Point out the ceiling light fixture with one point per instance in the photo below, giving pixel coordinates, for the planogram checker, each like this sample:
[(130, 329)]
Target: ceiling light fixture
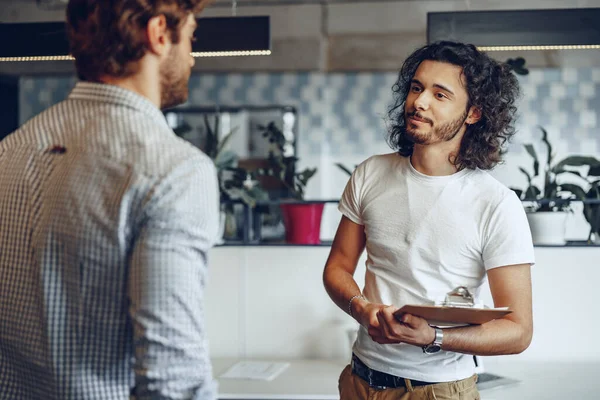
[(217, 37), (507, 30), (540, 48)]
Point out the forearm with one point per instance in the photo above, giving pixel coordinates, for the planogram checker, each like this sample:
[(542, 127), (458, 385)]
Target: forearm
[(169, 334), (341, 287), (161, 376), (498, 337)]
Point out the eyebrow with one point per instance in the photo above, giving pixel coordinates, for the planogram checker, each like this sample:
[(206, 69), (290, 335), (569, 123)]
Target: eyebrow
[(437, 85)]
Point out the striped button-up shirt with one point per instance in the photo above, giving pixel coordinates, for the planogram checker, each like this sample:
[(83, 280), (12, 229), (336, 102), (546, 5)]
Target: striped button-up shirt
[(106, 218)]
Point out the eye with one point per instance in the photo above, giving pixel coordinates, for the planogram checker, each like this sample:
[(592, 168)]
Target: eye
[(441, 95), (415, 89)]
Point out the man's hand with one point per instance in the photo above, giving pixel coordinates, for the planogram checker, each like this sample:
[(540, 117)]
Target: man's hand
[(366, 312), (408, 329)]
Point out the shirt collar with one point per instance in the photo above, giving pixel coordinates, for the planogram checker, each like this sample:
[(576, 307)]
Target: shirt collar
[(105, 93)]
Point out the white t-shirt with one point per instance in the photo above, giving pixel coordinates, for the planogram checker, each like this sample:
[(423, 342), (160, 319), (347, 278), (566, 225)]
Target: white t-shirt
[(426, 235)]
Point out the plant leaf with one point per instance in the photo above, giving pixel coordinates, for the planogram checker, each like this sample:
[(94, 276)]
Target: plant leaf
[(594, 171), (536, 163), (531, 150), (225, 159), (526, 174), (579, 161), (532, 192), (210, 146), (550, 189), (226, 140), (548, 145), (343, 168)]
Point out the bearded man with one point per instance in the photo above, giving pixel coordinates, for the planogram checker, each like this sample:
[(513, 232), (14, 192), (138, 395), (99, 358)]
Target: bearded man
[(107, 218)]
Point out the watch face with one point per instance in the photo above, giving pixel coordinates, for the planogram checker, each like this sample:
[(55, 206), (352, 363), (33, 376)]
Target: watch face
[(432, 348)]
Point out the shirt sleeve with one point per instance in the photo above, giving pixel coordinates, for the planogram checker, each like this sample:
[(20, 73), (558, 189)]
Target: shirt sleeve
[(507, 237), (167, 276), (350, 204)]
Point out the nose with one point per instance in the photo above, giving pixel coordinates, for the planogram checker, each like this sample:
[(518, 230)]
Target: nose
[(422, 101)]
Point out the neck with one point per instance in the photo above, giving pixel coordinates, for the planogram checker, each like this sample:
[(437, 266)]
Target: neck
[(145, 82), (435, 159)]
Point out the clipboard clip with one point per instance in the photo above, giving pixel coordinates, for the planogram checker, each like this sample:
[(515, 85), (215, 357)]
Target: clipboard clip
[(459, 297)]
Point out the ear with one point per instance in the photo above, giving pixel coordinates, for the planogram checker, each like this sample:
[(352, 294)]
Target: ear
[(474, 115), (159, 40)]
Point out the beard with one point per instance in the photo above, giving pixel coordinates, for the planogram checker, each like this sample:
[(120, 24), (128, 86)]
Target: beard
[(173, 82), (442, 133)]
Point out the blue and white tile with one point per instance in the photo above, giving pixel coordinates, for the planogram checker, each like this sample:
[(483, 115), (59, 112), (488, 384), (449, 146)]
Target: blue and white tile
[(587, 90), (587, 119), (570, 75)]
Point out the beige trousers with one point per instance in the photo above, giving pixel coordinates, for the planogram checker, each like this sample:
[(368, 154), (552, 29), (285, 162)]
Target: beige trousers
[(354, 388)]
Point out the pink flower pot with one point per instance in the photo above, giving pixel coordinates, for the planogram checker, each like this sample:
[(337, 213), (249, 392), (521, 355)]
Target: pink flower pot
[(302, 222)]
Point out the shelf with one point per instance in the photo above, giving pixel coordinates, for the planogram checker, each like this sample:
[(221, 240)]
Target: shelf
[(252, 225), (570, 243), (327, 243)]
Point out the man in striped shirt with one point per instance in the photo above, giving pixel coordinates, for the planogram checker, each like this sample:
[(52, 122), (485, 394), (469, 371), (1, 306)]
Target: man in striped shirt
[(106, 218)]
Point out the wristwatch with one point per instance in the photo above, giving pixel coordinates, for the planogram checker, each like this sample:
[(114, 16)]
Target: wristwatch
[(437, 343)]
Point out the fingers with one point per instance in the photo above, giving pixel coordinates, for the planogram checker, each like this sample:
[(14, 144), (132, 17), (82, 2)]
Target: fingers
[(386, 328), (386, 316), (408, 320), (390, 329)]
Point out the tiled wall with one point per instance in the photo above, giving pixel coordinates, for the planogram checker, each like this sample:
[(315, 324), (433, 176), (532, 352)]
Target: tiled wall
[(342, 115)]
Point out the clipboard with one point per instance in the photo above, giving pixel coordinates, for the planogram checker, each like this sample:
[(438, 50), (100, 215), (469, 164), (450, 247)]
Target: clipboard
[(457, 310)]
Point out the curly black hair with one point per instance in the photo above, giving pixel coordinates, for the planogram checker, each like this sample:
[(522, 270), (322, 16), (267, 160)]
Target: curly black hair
[(491, 86)]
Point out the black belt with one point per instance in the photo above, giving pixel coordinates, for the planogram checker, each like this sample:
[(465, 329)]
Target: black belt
[(381, 380)]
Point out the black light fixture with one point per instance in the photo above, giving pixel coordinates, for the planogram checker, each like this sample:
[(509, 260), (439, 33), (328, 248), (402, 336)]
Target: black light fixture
[(232, 36), (217, 37), (506, 30)]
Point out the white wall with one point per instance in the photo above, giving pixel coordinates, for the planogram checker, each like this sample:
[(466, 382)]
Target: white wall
[(269, 302)]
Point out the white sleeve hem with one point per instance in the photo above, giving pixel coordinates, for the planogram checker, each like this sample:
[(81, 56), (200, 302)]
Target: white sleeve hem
[(502, 261), (349, 214)]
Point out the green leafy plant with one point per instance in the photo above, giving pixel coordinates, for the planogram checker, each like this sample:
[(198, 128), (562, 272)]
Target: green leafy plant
[(344, 168), (235, 183), (555, 196), (284, 167)]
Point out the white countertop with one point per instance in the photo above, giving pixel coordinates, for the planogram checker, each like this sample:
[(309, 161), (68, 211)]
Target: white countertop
[(317, 380), (302, 380), (546, 380)]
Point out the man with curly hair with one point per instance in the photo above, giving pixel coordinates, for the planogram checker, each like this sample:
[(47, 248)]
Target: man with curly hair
[(432, 219), (107, 219)]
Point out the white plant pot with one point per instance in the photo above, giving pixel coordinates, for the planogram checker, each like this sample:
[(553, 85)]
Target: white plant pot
[(548, 227)]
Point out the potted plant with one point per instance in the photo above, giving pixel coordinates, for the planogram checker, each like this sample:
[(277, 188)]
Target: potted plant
[(235, 183), (302, 219), (551, 201)]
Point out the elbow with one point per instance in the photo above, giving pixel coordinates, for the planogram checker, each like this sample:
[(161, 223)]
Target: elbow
[(327, 276), (523, 341)]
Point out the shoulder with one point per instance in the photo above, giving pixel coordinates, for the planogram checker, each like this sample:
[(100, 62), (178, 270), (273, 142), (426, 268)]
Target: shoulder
[(486, 190), (383, 163), (169, 153)]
